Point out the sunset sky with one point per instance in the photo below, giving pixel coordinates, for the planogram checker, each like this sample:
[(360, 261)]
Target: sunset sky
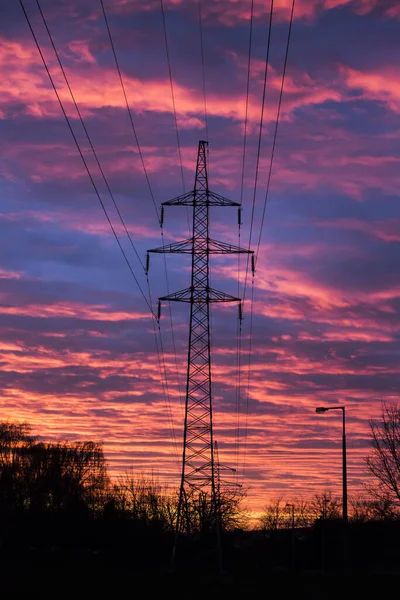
[(77, 345)]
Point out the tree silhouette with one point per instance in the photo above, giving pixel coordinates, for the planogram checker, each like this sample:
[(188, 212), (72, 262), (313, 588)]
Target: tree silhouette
[(384, 461), (274, 515), (141, 498), (203, 514), (325, 506), (49, 477)]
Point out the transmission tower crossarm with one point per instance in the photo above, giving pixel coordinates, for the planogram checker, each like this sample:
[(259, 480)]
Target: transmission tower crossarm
[(218, 200), (217, 247), (210, 246), (183, 247), (200, 295), (182, 200), (191, 199)]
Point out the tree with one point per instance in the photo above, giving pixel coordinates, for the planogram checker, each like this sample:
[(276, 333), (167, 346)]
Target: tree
[(144, 500), (65, 476), (325, 506), (384, 460), (362, 509), (302, 513), (15, 441), (232, 513), (279, 514), (201, 513), (49, 477), (274, 516)]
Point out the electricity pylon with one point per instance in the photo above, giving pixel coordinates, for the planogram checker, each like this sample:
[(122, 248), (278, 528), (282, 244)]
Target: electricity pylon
[(198, 479)]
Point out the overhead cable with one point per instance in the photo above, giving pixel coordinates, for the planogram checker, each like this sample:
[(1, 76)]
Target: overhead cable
[(128, 108), (276, 130), (83, 158), (87, 134), (162, 357), (172, 93), (259, 142), (239, 324)]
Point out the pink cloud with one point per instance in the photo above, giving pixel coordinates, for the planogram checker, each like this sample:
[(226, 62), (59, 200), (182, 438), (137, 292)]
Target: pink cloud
[(332, 158), (80, 51), (231, 12), (394, 11), (297, 295), (382, 86), (26, 82), (388, 231), (71, 309), (4, 274), (76, 222)]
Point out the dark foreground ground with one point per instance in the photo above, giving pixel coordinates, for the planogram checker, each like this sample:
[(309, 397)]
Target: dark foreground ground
[(85, 579), (331, 563)]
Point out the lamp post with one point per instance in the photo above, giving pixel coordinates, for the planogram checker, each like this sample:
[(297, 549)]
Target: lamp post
[(323, 409), (325, 501)]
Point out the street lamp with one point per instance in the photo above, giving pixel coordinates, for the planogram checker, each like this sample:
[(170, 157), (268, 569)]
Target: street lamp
[(325, 502), (323, 409)]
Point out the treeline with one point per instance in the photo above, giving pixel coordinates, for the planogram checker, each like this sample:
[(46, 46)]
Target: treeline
[(62, 478), (300, 513), (60, 510), (70, 480), (60, 507), (39, 477)]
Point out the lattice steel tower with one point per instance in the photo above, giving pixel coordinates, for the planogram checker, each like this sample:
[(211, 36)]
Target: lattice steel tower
[(199, 475)]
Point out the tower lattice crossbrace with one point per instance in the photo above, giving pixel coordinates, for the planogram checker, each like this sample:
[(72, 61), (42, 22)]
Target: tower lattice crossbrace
[(198, 461)]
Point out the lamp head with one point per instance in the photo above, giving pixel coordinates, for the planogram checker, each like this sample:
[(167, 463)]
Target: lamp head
[(321, 409)]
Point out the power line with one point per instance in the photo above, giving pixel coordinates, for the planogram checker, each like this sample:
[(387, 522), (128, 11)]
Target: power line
[(139, 149), (247, 100), (163, 375), (276, 129), (259, 141), (203, 70), (239, 324), (238, 390), (172, 92), (254, 199), (184, 189), (87, 133), (168, 398), (143, 163), (171, 322), (174, 106), (129, 110), (83, 158), (264, 208), (161, 358), (248, 374)]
